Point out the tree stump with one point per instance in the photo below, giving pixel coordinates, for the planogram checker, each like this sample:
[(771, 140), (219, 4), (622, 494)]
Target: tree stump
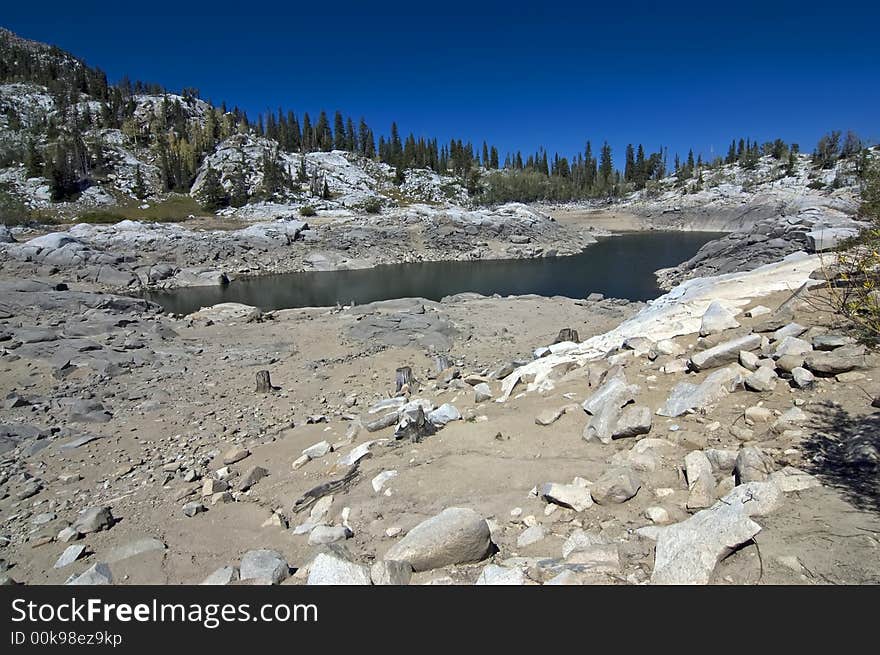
[(567, 334), (415, 426), (404, 377), (441, 363), (264, 383)]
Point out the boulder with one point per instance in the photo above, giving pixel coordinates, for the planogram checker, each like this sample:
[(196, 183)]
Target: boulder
[(802, 378), (331, 569), (501, 575), (222, 576), (752, 465), (444, 414), (764, 379), (454, 536), (724, 353), (567, 495), (688, 552), (263, 565), (839, 360), (93, 519), (388, 572), (482, 392), (700, 479), (615, 486), (717, 318), (686, 396), (98, 574)]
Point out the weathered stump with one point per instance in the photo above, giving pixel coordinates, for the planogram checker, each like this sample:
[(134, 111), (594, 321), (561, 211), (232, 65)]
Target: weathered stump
[(441, 363), (404, 378), (567, 334), (264, 383), (415, 426)]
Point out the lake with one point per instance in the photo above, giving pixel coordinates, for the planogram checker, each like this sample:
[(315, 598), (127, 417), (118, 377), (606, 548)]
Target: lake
[(620, 267)]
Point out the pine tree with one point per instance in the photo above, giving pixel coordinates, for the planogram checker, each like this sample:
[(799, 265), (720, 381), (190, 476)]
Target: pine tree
[(339, 135), (138, 188), (213, 195), (629, 165), (32, 160), (606, 166)]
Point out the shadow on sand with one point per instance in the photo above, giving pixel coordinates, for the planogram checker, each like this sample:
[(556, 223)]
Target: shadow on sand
[(844, 452)]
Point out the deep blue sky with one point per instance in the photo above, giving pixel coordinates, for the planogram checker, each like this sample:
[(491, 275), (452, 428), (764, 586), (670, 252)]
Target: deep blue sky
[(520, 75)]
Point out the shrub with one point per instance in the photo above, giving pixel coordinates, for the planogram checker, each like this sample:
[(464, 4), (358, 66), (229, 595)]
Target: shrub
[(854, 288), (372, 205), (307, 210), (12, 210)]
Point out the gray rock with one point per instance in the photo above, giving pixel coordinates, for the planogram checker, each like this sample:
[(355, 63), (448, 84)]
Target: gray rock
[(831, 341), (98, 574), (264, 565), (318, 450), (496, 575), (455, 536), (548, 417), (67, 535), (803, 379), (254, 475), (70, 555), (330, 569), (388, 572), (701, 480), (752, 465), (827, 238), (839, 360), (764, 379), (444, 414), (530, 536), (134, 549), (193, 508), (567, 495), (724, 353), (748, 360), (235, 454), (790, 330), (327, 534), (605, 407), (634, 420), (596, 558), (222, 576), (717, 318), (482, 392), (688, 552), (93, 519), (792, 346), (615, 486), (686, 396)]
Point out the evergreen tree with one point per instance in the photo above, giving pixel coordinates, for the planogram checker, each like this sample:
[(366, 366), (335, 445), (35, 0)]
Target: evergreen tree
[(32, 160), (212, 194), (340, 138), (606, 166), (138, 188)]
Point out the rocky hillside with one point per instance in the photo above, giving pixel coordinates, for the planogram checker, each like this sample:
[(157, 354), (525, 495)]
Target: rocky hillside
[(124, 146)]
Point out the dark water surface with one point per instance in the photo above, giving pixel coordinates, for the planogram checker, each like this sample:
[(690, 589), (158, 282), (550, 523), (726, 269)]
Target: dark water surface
[(619, 267)]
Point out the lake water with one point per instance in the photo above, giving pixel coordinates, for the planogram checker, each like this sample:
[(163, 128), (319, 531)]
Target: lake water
[(619, 267)]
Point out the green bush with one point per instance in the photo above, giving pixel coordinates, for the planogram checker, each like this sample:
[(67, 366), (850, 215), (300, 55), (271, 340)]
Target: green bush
[(372, 205), (307, 210), (12, 210)]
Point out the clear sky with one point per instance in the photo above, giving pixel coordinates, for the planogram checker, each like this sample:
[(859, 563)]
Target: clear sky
[(520, 75)]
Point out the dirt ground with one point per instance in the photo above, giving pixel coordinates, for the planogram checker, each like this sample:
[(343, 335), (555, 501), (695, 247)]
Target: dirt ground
[(188, 411)]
